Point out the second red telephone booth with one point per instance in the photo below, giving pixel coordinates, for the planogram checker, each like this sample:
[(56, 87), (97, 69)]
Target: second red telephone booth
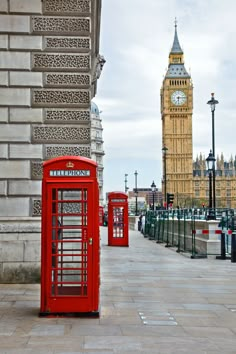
[(118, 219)]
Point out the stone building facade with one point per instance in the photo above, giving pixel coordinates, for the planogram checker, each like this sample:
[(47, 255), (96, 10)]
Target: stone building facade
[(49, 66), (225, 182)]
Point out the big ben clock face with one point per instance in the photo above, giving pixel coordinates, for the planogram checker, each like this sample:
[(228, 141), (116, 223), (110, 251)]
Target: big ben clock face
[(178, 98)]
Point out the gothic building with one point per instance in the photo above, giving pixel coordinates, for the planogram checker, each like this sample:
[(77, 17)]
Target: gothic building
[(225, 181), (188, 180)]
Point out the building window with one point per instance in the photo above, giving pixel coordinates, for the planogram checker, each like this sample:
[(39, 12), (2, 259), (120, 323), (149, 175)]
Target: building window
[(98, 159)]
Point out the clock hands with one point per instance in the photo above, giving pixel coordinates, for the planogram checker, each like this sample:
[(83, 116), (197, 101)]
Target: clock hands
[(178, 98)]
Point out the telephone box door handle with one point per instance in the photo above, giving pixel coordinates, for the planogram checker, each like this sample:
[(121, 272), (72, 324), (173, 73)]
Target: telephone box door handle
[(90, 240)]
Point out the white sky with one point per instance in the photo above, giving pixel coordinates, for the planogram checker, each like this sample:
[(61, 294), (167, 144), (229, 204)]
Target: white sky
[(136, 38)]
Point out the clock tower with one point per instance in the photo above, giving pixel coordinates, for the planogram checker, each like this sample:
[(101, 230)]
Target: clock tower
[(176, 114)]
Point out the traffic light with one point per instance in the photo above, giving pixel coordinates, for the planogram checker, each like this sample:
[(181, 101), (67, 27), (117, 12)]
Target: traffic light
[(170, 198)]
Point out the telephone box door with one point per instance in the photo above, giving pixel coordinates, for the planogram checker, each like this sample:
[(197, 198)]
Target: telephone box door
[(70, 262)]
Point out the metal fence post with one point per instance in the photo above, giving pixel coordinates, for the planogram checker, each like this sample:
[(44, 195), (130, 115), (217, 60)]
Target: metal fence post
[(167, 230), (172, 229), (193, 236), (178, 216)]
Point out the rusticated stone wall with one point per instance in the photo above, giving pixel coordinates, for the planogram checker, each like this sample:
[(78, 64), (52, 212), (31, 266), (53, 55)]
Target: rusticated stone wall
[(49, 65)]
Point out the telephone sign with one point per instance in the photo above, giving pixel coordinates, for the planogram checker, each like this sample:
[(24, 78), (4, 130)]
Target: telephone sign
[(69, 173)]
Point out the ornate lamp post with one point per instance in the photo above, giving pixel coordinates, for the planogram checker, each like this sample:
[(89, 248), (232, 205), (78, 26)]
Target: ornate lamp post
[(153, 187), (212, 104), (211, 166), (136, 192), (164, 151)]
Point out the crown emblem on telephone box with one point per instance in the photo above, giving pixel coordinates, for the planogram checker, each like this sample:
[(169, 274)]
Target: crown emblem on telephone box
[(70, 164)]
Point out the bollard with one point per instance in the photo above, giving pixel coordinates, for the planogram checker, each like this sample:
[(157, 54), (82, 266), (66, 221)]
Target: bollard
[(222, 247), (223, 250), (233, 248)]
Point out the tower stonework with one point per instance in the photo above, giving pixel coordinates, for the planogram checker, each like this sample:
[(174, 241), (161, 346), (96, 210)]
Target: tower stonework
[(176, 113), (49, 66)]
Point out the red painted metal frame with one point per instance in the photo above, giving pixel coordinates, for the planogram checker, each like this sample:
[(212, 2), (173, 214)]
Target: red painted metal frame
[(79, 296), (118, 223)]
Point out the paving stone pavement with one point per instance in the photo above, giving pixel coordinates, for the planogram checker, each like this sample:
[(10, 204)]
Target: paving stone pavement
[(153, 300)]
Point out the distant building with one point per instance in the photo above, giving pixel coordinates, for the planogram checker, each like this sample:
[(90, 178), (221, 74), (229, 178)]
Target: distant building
[(225, 181), (144, 199), (97, 151)]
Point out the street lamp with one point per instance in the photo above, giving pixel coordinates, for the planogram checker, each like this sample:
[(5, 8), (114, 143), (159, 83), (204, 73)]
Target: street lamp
[(211, 166), (212, 104), (136, 193), (164, 151), (126, 187), (153, 187)]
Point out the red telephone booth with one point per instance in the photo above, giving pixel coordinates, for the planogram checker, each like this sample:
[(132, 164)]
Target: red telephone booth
[(101, 216), (118, 219), (70, 237)]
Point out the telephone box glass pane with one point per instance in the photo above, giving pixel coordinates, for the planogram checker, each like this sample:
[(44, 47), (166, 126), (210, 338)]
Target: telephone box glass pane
[(118, 222), (69, 267)]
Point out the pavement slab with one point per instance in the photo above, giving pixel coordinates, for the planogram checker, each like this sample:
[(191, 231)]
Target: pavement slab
[(153, 300)]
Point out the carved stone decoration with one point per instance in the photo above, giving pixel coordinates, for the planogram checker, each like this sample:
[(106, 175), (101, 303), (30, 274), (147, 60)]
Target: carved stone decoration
[(72, 62), (70, 80), (36, 170), (61, 25), (67, 150), (66, 6), (71, 43), (97, 67), (36, 207), (60, 98), (66, 115), (56, 134)]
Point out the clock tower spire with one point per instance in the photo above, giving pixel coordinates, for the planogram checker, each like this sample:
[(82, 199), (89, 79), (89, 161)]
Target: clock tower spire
[(176, 46), (176, 113)]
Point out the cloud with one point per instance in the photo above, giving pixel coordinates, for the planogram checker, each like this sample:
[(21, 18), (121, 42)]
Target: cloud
[(136, 38)]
